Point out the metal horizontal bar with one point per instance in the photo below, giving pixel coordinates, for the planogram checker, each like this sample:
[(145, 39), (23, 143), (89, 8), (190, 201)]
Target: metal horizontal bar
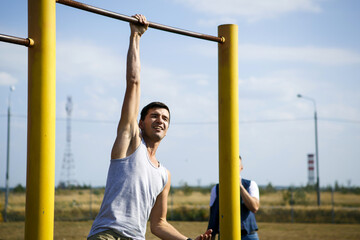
[(122, 17), (16, 40)]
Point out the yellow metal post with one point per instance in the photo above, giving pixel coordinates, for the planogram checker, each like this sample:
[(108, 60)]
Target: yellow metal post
[(229, 134), (40, 179)]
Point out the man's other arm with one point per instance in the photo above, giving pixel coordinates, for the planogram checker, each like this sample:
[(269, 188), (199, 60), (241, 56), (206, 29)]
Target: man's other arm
[(158, 223)]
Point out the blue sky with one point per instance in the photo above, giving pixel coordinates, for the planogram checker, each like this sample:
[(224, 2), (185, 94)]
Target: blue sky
[(311, 47)]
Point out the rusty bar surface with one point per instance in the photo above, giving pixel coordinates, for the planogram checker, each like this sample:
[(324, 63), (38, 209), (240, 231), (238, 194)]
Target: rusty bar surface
[(122, 17), (16, 40)]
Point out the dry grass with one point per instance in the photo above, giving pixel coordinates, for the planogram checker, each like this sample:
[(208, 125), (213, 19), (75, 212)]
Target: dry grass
[(271, 199), (282, 231), (76, 204), (194, 199), (82, 198), (340, 199), (16, 201)]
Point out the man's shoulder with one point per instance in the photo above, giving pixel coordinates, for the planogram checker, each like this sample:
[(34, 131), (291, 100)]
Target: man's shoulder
[(215, 188), (245, 182), (125, 144)]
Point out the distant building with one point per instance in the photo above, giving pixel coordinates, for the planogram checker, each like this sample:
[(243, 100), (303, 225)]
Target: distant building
[(311, 168)]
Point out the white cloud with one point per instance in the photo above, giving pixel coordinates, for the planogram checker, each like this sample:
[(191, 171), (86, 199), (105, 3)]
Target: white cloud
[(282, 85), (252, 9), (162, 82), (325, 56), (7, 79), (78, 59), (274, 96), (102, 102), (178, 91), (305, 54), (198, 79), (13, 64), (213, 22)]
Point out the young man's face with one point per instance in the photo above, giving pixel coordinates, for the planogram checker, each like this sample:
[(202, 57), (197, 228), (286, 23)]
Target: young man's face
[(155, 124)]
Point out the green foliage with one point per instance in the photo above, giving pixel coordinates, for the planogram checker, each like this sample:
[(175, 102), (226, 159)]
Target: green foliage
[(19, 189), (63, 185), (268, 189), (185, 188), (346, 210), (310, 188), (349, 189), (295, 196), (287, 197), (204, 190), (98, 191), (13, 216), (300, 197), (188, 214)]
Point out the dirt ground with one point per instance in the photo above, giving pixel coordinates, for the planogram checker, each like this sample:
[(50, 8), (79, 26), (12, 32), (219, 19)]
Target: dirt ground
[(267, 231)]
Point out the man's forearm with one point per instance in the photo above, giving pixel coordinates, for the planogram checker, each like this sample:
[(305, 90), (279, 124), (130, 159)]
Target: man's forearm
[(133, 57), (250, 202), (165, 230), (133, 60)]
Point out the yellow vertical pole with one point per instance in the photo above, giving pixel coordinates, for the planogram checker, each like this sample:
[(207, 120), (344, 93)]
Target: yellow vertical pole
[(40, 179), (229, 134)]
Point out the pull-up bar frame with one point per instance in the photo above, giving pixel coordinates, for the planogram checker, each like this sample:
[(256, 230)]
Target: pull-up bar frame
[(126, 18), (40, 179), (28, 42)]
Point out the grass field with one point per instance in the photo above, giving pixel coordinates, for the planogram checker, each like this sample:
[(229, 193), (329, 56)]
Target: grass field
[(267, 231), (83, 204), (86, 199), (194, 197)]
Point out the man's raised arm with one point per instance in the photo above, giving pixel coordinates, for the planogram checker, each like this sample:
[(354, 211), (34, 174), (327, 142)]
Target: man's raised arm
[(127, 139)]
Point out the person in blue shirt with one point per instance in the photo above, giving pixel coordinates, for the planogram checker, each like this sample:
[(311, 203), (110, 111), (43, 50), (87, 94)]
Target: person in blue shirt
[(250, 203)]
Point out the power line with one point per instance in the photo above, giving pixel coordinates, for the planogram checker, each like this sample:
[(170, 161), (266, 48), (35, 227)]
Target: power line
[(340, 120)]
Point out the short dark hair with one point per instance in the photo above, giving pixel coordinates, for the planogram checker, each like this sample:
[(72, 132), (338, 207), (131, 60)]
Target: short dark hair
[(151, 105)]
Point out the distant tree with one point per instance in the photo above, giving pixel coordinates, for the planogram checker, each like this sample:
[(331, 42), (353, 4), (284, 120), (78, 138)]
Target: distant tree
[(187, 190), (300, 197), (337, 186), (268, 189), (19, 189), (295, 196), (310, 188), (61, 185)]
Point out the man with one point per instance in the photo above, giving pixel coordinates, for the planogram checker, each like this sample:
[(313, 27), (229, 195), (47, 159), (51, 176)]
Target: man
[(137, 185), (250, 203)]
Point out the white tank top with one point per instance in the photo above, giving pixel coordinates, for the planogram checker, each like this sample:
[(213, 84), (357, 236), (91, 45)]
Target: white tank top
[(132, 185)]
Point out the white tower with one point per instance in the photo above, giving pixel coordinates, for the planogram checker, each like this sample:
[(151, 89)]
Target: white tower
[(68, 167), (311, 177)]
